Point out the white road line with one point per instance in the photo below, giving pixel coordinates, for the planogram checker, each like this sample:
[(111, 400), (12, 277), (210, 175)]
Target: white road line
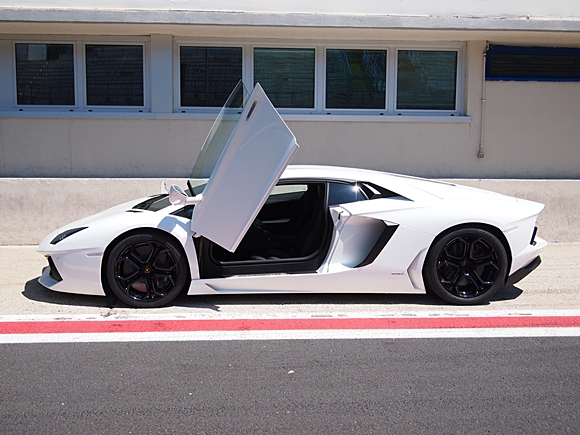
[(195, 315), (347, 334)]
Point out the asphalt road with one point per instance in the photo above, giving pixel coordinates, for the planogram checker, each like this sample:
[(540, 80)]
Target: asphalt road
[(476, 386), (398, 386)]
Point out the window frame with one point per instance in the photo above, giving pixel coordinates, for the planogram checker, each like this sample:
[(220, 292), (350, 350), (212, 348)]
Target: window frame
[(459, 81), (316, 84), (349, 111), (177, 44), (15, 75), (92, 108), (79, 60), (318, 112)]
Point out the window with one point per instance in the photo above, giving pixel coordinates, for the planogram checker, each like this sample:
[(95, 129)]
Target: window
[(45, 74), (287, 75), (355, 79), (532, 63), (426, 80), (208, 74), (370, 79), (341, 193), (79, 75), (114, 75)]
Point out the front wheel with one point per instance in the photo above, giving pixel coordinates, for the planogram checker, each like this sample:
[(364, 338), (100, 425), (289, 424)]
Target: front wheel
[(466, 267), (147, 270)]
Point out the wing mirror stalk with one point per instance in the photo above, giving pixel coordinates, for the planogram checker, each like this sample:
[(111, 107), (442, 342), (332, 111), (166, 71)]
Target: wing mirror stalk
[(177, 196)]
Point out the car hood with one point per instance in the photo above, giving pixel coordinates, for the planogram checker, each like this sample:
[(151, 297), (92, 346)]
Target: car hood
[(101, 228)]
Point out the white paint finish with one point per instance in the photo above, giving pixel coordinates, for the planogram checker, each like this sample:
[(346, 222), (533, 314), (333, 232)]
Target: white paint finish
[(236, 192), (339, 334), (256, 154), (285, 312), (358, 235)]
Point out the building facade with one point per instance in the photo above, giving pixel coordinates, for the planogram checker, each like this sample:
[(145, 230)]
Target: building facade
[(477, 89)]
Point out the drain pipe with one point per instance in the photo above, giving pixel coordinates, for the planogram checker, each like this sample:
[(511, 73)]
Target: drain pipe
[(481, 154)]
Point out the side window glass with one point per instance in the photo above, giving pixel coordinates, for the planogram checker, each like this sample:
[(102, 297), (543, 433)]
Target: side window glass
[(285, 192), (341, 193)]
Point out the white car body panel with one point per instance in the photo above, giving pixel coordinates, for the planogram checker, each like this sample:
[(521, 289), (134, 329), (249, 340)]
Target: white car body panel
[(397, 269), (375, 245), (80, 257), (259, 150)]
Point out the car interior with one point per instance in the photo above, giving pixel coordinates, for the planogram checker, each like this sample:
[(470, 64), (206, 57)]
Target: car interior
[(291, 234)]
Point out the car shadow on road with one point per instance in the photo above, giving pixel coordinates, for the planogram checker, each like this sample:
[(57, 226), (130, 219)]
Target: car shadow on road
[(36, 292), (507, 294)]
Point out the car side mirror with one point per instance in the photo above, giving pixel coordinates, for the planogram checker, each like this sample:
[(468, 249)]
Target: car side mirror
[(177, 196)]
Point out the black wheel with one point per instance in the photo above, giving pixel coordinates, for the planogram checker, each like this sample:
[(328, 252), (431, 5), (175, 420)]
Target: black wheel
[(147, 270), (466, 267)]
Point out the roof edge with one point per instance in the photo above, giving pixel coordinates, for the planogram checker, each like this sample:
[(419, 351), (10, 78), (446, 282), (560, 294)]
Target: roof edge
[(224, 18)]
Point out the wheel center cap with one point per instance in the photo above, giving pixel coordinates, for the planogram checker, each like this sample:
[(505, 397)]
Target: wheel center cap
[(147, 269)]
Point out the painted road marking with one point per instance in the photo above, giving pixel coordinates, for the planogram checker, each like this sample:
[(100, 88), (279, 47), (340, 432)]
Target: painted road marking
[(19, 331)]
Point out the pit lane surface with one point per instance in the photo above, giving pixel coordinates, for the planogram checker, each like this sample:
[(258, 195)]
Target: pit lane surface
[(476, 386), (232, 382)]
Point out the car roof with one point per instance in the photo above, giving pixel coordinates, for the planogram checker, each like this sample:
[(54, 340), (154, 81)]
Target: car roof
[(413, 188)]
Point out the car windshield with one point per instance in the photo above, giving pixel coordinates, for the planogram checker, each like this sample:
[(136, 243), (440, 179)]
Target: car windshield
[(219, 135)]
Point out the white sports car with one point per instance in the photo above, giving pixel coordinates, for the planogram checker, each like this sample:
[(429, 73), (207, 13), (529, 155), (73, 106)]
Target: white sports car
[(249, 223)]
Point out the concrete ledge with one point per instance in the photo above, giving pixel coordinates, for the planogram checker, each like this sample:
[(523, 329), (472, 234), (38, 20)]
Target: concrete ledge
[(31, 208)]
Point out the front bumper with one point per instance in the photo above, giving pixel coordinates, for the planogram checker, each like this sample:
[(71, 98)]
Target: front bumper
[(521, 273)]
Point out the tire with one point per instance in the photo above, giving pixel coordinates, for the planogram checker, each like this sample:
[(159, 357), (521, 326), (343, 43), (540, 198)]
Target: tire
[(147, 270), (466, 267)]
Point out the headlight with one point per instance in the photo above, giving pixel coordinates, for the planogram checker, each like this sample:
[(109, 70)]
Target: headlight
[(66, 234)]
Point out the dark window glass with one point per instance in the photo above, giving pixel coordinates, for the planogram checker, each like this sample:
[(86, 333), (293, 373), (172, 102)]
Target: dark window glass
[(355, 79), (114, 75), (533, 63), (287, 75), (45, 74), (426, 80), (340, 193), (208, 74)]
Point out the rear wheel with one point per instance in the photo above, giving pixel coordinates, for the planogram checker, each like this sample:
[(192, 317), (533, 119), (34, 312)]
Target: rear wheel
[(466, 267), (147, 270)]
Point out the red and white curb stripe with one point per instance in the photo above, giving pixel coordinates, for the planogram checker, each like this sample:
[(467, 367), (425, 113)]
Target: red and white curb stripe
[(419, 325)]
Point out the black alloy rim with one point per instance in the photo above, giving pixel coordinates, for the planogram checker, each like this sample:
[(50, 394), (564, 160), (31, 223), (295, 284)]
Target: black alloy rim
[(146, 271), (468, 266)]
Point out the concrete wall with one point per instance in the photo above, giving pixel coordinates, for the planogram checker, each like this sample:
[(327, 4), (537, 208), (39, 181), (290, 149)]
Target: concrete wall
[(31, 208), (531, 130)]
